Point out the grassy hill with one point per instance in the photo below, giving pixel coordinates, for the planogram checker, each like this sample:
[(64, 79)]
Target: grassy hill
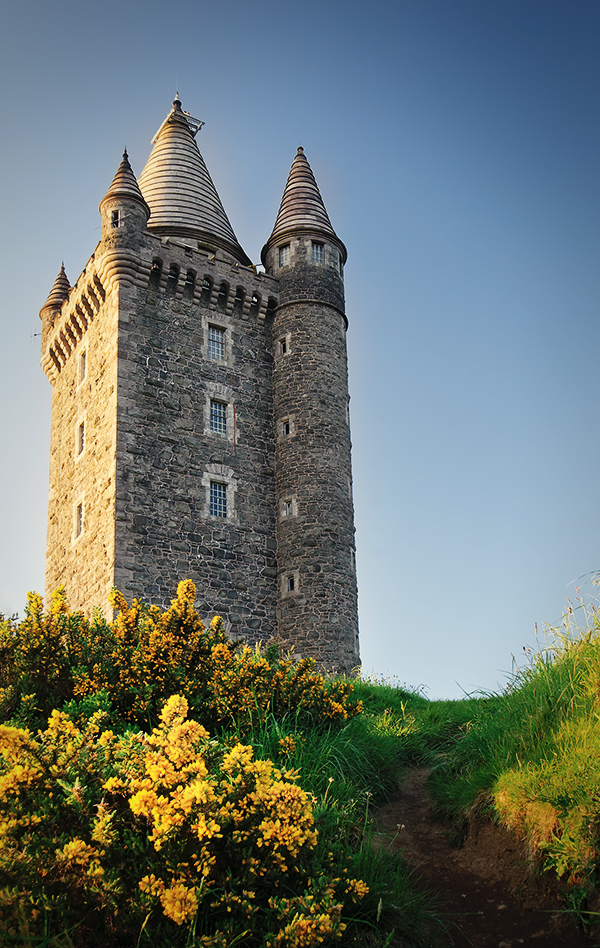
[(160, 785)]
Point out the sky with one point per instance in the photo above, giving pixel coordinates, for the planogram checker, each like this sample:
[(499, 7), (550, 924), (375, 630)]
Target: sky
[(456, 145)]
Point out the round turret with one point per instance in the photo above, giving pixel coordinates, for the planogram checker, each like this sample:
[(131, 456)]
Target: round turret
[(123, 208), (317, 596)]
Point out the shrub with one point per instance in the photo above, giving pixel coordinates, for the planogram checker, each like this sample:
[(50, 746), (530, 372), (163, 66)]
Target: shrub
[(172, 837), (144, 656)]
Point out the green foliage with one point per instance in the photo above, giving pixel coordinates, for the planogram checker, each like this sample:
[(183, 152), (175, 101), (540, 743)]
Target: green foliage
[(530, 757), (117, 836), (146, 655)]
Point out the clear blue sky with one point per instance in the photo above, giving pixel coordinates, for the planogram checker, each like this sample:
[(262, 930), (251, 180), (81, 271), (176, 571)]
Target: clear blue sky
[(456, 144)]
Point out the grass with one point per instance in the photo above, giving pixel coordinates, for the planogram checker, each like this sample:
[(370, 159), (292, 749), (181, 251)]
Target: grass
[(528, 757)]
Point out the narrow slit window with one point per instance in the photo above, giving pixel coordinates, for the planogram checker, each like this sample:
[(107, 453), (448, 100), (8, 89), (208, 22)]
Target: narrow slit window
[(79, 519), (288, 508), (291, 583), (218, 417), (218, 499), (283, 346), (82, 367), (318, 252), (285, 427), (80, 437), (216, 343), (114, 219)]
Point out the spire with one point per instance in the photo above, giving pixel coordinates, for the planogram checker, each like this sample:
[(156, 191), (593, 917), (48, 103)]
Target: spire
[(125, 185), (58, 293), (177, 186), (302, 209)]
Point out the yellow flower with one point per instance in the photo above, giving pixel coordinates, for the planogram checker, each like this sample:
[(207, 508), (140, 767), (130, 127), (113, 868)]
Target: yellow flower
[(179, 903)]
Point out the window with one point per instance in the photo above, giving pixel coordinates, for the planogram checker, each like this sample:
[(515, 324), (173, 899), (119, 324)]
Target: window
[(216, 343), (79, 519), (284, 255), (285, 427), (81, 367), (283, 345), (114, 219), (318, 252), (287, 508), (218, 417), (291, 583), (218, 499), (80, 437)]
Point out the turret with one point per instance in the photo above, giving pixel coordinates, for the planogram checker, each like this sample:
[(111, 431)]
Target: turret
[(123, 208), (317, 598), (53, 305)]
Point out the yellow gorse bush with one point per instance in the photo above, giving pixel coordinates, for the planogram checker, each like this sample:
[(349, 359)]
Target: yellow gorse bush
[(170, 833), (144, 656)]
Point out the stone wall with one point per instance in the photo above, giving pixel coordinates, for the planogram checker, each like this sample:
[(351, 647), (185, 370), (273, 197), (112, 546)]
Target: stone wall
[(317, 607), (82, 464), (167, 454)]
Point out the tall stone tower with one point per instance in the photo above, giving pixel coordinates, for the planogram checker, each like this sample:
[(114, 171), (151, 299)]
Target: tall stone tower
[(200, 409)]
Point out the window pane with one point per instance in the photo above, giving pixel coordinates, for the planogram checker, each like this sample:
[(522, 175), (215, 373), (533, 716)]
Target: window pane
[(218, 499), (218, 417), (216, 343), (284, 255), (318, 253)]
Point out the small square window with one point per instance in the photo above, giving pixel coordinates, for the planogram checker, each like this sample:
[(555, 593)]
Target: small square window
[(288, 508), (318, 252), (284, 345), (80, 437), (284, 256), (218, 417), (216, 343), (218, 499)]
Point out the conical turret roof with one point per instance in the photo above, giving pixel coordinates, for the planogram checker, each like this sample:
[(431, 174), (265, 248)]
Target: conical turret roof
[(179, 190), (59, 291), (302, 209), (125, 185)]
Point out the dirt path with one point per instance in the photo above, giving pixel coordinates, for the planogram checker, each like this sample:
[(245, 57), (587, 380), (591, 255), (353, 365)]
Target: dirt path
[(489, 897)]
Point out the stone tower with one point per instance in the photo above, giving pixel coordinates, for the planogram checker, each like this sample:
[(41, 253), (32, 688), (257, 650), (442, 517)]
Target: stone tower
[(200, 409)]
